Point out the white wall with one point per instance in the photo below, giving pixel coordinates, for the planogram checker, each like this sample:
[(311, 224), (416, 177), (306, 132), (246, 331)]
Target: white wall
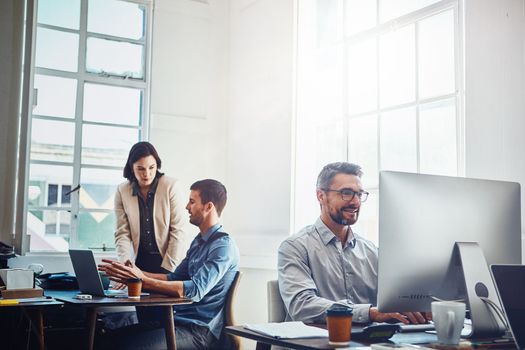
[(495, 91)]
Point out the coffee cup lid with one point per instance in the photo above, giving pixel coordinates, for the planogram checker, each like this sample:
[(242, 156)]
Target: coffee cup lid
[(339, 310), (133, 280)]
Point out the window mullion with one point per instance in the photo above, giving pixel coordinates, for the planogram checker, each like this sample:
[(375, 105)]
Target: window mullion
[(73, 238)]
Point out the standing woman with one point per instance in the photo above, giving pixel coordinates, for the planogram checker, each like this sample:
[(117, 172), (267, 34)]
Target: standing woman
[(149, 211)]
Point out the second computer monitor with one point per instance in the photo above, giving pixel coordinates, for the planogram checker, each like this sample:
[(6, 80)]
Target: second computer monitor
[(420, 219)]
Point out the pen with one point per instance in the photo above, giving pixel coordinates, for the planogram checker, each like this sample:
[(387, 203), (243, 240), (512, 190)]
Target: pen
[(8, 302)]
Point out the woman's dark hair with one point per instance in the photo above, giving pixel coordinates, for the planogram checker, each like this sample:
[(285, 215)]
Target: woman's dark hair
[(138, 151)]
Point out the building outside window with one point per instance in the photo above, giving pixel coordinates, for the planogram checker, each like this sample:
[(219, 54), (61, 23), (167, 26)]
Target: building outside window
[(90, 91), (378, 84)]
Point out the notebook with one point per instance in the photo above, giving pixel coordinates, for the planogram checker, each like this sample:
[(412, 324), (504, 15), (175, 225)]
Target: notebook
[(88, 278), (510, 284)]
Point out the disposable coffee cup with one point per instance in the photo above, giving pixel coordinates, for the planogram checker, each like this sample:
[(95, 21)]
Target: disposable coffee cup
[(134, 287), (339, 322)]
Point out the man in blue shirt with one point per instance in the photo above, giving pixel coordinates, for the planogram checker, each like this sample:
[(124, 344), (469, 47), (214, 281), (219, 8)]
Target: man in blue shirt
[(205, 276)]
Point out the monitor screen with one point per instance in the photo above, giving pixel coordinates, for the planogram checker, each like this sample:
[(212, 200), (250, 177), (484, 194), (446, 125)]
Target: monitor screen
[(420, 219)]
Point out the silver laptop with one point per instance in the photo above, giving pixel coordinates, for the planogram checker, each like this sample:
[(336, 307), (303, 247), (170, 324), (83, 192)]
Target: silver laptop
[(510, 284), (88, 278)]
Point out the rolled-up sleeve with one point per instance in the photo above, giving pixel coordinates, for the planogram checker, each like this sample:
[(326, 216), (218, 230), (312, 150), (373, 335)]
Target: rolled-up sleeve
[(219, 260)]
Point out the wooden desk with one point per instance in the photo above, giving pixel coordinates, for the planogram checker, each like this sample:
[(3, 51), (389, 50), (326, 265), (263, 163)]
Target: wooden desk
[(33, 311), (265, 342), (92, 305)]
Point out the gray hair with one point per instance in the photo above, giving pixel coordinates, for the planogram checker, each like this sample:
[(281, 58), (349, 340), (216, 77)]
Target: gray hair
[(324, 180)]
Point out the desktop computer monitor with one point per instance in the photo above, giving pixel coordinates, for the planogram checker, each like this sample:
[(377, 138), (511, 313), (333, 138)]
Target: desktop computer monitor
[(421, 217)]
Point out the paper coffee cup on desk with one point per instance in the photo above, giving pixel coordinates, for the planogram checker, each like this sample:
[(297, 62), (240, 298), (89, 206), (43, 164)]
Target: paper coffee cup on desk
[(448, 317), (339, 322)]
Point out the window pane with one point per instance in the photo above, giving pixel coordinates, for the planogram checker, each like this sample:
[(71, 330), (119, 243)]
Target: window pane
[(436, 55), (114, 57), (51, 42), (61, 13), (117, 18), (389, 9), (330, 144), (103, 145), (49, 230), (437, 123), (360, 15), (362, 77), (362, 146), (96, 230), (397, 67), (52, 195), (56, 96), (98, 187), (368, 224), (398, 140), (43, 180), (329, 21), (52, 140), (111, 104)]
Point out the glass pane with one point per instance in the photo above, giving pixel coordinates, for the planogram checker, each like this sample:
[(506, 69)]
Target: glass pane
[(98, 187), (96, 230), (360, 15), (438, 146), (104, 145), (52, 140), (398, 140), (61, 13), (436, 55), (389, 9), (397, 67), (330, 144), (114, 57), (51, 42), (49, 230), (329, 21), (362, 77), (111, 104), (117, 18), (43, 180), (56, 96), (362, 147), (368, 223)]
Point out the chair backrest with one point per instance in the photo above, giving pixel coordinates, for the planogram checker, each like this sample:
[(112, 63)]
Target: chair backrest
[(276, 309), (229, 318)]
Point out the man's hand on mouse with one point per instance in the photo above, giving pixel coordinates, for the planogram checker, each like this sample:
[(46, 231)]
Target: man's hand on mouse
[(405, 317)]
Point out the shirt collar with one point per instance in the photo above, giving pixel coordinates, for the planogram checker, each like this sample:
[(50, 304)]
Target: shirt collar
[(153, 188), (205, 237), (327, 235)]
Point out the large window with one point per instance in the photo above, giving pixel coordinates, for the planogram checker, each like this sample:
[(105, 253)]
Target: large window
[(90, 95), (378, 85)]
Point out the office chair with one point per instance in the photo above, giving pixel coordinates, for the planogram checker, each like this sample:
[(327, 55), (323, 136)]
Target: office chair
[(276, 309), (233, 341)]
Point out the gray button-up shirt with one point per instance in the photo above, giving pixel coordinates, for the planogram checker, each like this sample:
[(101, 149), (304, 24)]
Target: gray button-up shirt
[(316, 271)]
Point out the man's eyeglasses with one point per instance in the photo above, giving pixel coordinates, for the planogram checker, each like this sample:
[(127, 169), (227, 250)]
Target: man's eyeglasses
[(348, 194)]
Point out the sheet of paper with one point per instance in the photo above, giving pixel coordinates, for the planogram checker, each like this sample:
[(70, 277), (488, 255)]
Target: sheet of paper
[(288, 330)]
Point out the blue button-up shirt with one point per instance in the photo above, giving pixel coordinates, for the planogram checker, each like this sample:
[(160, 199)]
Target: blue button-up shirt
[(207, 273)]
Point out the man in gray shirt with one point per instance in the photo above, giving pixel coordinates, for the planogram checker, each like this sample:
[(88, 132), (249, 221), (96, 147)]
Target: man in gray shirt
[(327, 263)]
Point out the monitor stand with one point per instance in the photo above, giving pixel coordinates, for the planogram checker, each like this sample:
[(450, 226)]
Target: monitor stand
[(478, 283)]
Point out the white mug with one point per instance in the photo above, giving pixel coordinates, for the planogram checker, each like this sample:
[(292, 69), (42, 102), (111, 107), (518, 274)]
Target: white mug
[(448, 317)]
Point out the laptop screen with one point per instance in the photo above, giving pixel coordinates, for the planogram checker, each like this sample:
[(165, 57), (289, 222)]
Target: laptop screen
[(510, 282)]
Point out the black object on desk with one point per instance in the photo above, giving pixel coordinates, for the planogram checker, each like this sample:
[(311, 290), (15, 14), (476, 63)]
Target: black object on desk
[(375, 333)]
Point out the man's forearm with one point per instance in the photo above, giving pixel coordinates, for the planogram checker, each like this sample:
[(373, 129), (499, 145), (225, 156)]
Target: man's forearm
[(159, 283)]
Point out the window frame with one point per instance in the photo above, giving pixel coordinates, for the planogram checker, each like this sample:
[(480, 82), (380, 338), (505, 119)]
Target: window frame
[(82, 77)]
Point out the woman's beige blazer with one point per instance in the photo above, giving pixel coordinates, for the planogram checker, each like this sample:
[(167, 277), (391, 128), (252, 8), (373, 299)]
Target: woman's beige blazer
[(168, 213)]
